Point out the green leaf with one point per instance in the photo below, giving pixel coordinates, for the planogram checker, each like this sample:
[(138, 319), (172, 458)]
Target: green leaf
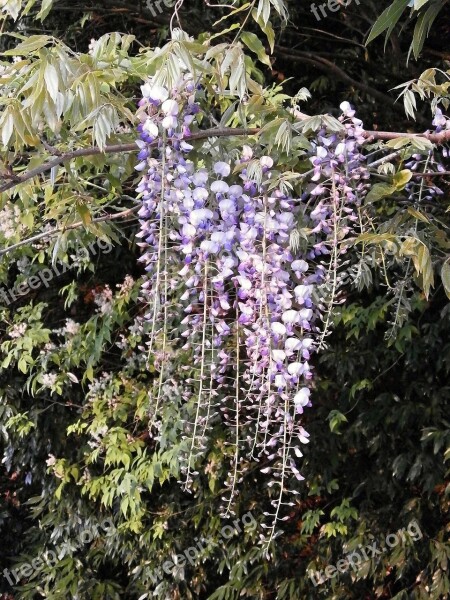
[(402, 178), (28, 219), (388, 19), (232, 13), (445, 276), (336, 418), (425, 268), (419, 3), (51, 79), (409, 246), (29, 45), (417, 215), (422, 144), (22, 364), (266, 28), (423, 26), (376, 238), (227, 30), (253, 42), (7, 126), (311, 124), (12, 7), (409, 101), (398, 143), (420, 254), (263, 10), (84, 213), (379, 191), (45, 9)]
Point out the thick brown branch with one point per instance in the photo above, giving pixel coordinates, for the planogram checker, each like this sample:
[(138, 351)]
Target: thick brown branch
[(436, 138), (114, 149)]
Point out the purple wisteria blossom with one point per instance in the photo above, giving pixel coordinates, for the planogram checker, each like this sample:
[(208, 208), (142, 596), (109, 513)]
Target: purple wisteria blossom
[(222, 235)]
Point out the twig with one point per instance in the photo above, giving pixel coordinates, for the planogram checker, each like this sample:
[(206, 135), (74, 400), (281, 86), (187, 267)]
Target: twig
[(385, 159), (46, 234), (47, 166), (432, 174)]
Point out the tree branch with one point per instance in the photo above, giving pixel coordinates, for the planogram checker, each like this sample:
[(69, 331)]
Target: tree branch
[(432, 174), (330, 67), (47, 166), (46, 234), (436, 138), (116, 148)]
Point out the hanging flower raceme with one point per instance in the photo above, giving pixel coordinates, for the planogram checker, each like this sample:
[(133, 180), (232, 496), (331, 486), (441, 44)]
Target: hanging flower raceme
[(335, 194), (221, 234), (339, 182), (164, 123)]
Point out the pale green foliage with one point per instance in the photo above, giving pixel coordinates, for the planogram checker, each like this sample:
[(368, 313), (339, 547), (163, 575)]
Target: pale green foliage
[(426, 88), (52, 91), (16, 8)]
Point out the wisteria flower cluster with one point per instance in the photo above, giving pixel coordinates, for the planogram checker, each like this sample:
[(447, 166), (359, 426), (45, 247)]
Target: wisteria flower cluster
[(339, 180), (332, 200), (222, 233)]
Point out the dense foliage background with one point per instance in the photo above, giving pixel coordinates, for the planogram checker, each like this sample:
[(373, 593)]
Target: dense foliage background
[(83, 474)]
